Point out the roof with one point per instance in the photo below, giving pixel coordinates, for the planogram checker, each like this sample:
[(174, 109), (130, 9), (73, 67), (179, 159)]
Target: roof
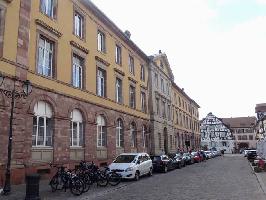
[(261, 107), (240, 122), (183, 93), (113, 27)]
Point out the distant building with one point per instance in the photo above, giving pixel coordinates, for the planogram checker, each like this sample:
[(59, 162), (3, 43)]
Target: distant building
[(243, 130), (215, 134)]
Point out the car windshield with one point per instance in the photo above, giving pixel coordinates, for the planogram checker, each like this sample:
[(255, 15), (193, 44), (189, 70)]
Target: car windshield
[(186, 154), (125, 159), (194, 153)]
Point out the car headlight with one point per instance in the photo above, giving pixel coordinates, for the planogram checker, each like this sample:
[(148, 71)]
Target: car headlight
[(129, 169)]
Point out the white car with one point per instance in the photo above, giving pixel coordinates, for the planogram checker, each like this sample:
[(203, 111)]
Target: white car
[(132, 165)]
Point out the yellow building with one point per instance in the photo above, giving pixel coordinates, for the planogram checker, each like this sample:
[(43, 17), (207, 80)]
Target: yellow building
[(90, 85), (185, 119)]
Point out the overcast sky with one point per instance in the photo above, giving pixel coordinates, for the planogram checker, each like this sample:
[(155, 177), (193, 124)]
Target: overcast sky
[(216, 48)]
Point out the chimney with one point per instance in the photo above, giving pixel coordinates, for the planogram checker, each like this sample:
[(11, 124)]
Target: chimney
[(128, 34), (160, 51)]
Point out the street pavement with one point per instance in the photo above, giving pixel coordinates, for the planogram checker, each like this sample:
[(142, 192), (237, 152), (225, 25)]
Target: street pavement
[(223, 178)]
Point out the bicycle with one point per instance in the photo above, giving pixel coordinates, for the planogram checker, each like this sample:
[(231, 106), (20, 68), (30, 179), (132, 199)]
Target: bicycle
[(66, 179)]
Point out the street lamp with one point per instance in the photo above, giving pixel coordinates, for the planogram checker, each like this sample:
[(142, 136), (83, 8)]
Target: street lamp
[(13, 94)]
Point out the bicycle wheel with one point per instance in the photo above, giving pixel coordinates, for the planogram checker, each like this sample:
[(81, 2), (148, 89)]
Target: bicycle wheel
[(76, 186), (54, 183), (87, 182), (114, 179), (102, 180)]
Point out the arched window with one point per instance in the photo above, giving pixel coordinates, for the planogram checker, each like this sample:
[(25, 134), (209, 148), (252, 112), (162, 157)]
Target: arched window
[(101, 131), (42, 125), (119, 133), (76, 139), (133, 133), (144, 136)]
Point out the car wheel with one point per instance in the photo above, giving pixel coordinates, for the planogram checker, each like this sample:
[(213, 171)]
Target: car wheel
[(136, 176), (165, 169), (150, 172)]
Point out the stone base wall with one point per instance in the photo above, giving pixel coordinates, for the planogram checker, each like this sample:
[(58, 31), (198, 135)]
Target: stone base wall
[(26, 159)]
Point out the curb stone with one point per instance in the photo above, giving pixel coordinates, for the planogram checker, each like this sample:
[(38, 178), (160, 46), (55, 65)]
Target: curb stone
[(261, 183)]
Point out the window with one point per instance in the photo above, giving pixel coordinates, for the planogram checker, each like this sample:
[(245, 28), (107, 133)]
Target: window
[(224, 144), (42, 125), (161, 64), (101, 131), (157, 106), (250, 137), (131, 65), (77, 79), (167, 89), (162, 85), (144, 136), (118, 90), (101, 41), (143, 101), (79, 25), (169, 112), (118, 55), (101, 82), (239, 137), (133, 133), (142, 73), (156, 80), (163, 111), (177, 117), (132, 96), (48, 7), (46, 57), (76, 139), (244, 137), (119, 133), (179, 101), (171, 141), (159, 141)]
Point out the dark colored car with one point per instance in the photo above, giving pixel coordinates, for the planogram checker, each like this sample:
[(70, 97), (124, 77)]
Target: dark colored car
[(178, 160), (251, 155), (163, 163), (189, 159)]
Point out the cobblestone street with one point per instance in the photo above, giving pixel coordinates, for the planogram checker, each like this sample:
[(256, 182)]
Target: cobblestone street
[(228, 177), (221, 178)]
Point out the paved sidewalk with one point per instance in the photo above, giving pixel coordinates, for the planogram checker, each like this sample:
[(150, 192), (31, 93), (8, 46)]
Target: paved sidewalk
[(18, 192)]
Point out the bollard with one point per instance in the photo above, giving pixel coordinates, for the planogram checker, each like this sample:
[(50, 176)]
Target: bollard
[(32, 187)]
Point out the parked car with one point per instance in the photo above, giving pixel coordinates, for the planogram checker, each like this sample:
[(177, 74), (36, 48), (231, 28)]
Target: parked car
[(246, 151), (252, 155), (189, 159), (132, 165), (163, 163), (196, 156), (209, 154), (181, 160)]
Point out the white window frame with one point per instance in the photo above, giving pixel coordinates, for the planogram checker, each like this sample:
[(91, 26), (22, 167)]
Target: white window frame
[(131, 64), (119, 133), (45, 63), (118, 90), (46, 5), (118, 54), (78, 25), (133, 134), (101, 46), (42, 110), (142, 73), (132, 97), (143, 101), (76, 118), (101, 134), (77, 71), (101, 76)]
